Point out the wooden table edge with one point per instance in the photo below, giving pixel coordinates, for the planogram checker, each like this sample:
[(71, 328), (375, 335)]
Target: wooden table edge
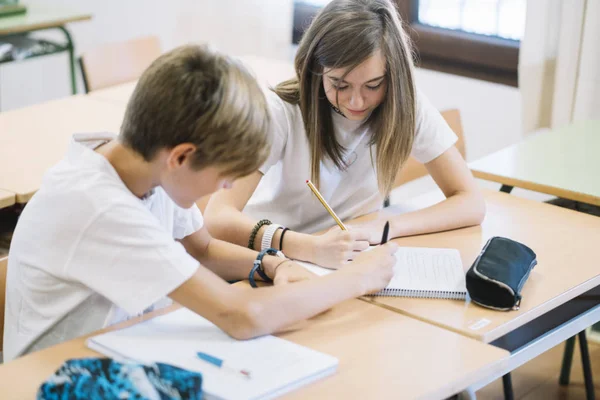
[(489, 336), (45, 25), (11, 200), (537, 187)]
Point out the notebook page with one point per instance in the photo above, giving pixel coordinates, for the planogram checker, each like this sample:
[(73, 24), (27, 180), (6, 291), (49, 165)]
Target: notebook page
[(175, 338), (428, 269), (419, 268)]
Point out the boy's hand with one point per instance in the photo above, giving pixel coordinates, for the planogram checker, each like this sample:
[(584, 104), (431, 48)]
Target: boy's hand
[(374, 268), (289, 272), (336, 247)]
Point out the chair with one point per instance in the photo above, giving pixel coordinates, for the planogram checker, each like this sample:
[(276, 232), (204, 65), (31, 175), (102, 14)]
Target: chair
[(3, 268), (413, 169), (117, 63)]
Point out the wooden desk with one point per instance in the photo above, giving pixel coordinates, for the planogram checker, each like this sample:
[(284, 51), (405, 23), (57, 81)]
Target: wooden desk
[(563, 162), (268, 72), (35, 138), (118, 94), (7, 199), (36, 19), (382, 355), (565, 242)]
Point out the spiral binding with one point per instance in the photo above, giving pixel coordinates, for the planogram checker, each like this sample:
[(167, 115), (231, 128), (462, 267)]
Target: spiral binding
[(422, 294)]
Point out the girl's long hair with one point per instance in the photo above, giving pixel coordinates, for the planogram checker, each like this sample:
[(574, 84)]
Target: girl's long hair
[(343, 35)]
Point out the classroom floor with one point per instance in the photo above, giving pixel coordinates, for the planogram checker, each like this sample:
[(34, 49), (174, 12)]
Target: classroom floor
[(538, 379)]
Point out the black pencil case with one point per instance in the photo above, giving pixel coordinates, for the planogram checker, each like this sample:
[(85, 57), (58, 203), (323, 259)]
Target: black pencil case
[(497, 276)]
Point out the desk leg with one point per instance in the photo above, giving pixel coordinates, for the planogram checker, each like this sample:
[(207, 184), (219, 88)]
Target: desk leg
[(508, 389), (565, 370), (506, 188), (587, 367), (71, 50)]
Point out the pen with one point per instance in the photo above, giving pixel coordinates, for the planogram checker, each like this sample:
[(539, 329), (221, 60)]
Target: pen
[(217, 362), (329, 209), (386, 231)]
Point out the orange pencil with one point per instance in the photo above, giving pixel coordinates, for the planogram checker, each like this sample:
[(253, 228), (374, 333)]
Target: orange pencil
[(329, 209)]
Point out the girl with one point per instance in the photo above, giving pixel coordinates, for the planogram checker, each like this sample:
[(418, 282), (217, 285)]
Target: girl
[(349, 120)]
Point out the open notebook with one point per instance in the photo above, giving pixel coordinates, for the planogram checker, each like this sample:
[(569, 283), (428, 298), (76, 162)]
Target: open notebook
[(277, 365), (421, 272)]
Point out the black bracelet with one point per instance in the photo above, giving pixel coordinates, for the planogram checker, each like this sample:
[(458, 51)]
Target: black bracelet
[(257, 267), (255, 230), (281, 238)]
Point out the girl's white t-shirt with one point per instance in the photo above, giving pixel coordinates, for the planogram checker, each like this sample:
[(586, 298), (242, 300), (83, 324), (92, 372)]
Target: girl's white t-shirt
[(282, 195)]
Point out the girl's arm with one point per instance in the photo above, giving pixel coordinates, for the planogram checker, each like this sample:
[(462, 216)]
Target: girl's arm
[(226, 221), (464, 204)]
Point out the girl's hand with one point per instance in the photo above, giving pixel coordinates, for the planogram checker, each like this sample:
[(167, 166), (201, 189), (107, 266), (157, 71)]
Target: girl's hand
[(373, 230), (336, 247)]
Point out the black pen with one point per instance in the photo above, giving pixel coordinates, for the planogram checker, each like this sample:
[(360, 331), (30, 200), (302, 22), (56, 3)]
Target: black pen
[(386, 230)]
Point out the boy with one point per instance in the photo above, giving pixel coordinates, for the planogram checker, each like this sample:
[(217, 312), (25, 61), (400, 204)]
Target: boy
[(114, 228)]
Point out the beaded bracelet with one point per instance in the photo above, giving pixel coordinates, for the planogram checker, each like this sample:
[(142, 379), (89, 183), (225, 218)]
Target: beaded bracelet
[(257, 267), (255, 230)]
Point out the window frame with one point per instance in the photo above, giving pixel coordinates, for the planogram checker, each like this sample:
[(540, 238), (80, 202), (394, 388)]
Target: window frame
[(468, 54)]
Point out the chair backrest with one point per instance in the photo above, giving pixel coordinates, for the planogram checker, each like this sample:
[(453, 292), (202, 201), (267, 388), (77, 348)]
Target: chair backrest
[(3, 267), (117, 63), (413, 169)]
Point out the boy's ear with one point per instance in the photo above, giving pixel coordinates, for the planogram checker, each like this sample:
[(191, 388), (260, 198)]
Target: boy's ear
[(180, 153)]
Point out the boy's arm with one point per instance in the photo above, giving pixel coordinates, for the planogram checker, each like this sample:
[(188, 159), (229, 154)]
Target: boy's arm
[(245, 313)]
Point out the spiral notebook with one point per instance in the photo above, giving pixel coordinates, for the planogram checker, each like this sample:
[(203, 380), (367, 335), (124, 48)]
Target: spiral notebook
[(421, 272), (277, 366)]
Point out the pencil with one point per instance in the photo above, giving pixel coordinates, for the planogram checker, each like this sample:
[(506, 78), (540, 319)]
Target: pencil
[(329, 210)]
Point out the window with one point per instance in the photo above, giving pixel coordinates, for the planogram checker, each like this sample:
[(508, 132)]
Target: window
[(304, 12), (500, 18), (475, 38)]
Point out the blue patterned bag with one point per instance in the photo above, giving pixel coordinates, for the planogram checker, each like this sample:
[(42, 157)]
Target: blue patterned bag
[(106, 379)]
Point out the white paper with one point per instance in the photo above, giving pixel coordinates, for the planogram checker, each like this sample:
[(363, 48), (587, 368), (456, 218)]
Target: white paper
[(420, 268), (276, 364)]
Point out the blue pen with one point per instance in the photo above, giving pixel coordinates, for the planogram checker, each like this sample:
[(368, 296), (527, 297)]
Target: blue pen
[(219, 363)]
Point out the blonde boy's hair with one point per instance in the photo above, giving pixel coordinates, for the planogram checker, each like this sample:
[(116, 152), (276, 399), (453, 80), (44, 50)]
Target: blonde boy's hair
[(195, 95)]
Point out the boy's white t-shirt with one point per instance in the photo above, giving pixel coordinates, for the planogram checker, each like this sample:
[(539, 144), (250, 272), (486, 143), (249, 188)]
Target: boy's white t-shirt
[(282, 195), (87, 252)]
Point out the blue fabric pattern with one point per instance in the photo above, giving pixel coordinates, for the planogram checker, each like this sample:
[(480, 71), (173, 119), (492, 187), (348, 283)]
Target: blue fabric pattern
[(106, 379)]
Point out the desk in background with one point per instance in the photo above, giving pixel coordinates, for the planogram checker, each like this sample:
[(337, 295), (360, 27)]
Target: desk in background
[(563, 162), (383, 355), (118, 95), (35, 138), (18, 26), (7, 199), (267, 72)]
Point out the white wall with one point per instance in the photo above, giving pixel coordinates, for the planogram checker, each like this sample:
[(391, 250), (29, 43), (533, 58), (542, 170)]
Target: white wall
[(491, 113), (259, 27)]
